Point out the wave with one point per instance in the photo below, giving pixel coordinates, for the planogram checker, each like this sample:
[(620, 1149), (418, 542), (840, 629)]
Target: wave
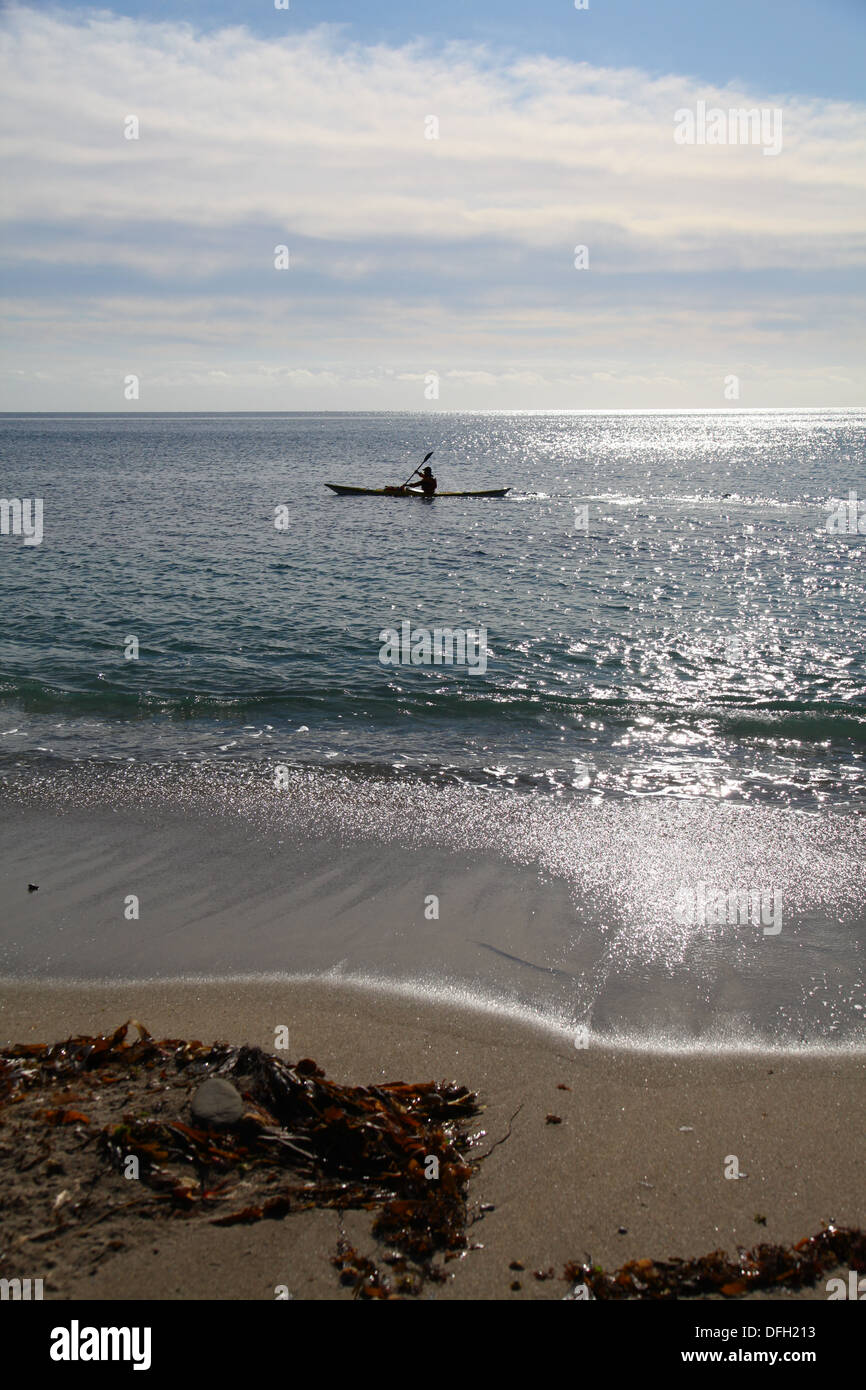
[(452, 702)]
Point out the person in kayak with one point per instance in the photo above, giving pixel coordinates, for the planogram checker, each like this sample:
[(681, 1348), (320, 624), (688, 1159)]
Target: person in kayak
[(427, 482)]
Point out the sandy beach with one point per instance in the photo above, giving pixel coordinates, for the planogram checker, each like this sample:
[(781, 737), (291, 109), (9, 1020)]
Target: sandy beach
[(449, 897), (635, 1169)]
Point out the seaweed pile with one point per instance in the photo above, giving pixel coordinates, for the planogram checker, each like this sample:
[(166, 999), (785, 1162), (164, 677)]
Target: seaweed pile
[(79, 1119), (766, 1267), (301, 1142)]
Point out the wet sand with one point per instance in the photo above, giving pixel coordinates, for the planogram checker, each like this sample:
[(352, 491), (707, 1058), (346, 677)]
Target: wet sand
[(565, 912)]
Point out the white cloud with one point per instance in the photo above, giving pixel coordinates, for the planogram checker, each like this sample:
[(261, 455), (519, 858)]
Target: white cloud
[(406, 250), (328, 142)]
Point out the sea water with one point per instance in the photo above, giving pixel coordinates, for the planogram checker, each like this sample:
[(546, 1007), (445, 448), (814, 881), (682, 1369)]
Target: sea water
[(670, 708)]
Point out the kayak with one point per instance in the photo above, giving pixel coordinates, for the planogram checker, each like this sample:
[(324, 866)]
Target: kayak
[(344, 491)]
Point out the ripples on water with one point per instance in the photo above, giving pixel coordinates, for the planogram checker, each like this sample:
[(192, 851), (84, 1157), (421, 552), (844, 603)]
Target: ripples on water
[(703, 636)]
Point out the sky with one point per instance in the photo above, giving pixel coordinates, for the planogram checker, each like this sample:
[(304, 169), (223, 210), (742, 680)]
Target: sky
[(450, 206)]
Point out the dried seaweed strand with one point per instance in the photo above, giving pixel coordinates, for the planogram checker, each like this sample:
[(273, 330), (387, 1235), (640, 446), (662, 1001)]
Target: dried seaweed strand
[(764, 1267)]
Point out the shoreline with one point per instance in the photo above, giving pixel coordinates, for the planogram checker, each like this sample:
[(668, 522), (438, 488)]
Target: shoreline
[(441, 999), (634, 1169)]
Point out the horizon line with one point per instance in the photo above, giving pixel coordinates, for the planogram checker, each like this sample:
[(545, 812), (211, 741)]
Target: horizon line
[(553, 410)]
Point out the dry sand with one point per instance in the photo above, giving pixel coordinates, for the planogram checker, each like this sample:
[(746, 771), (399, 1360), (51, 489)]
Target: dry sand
[(643, 1142)]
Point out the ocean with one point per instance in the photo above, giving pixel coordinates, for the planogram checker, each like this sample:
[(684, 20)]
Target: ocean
[(650, 757)]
